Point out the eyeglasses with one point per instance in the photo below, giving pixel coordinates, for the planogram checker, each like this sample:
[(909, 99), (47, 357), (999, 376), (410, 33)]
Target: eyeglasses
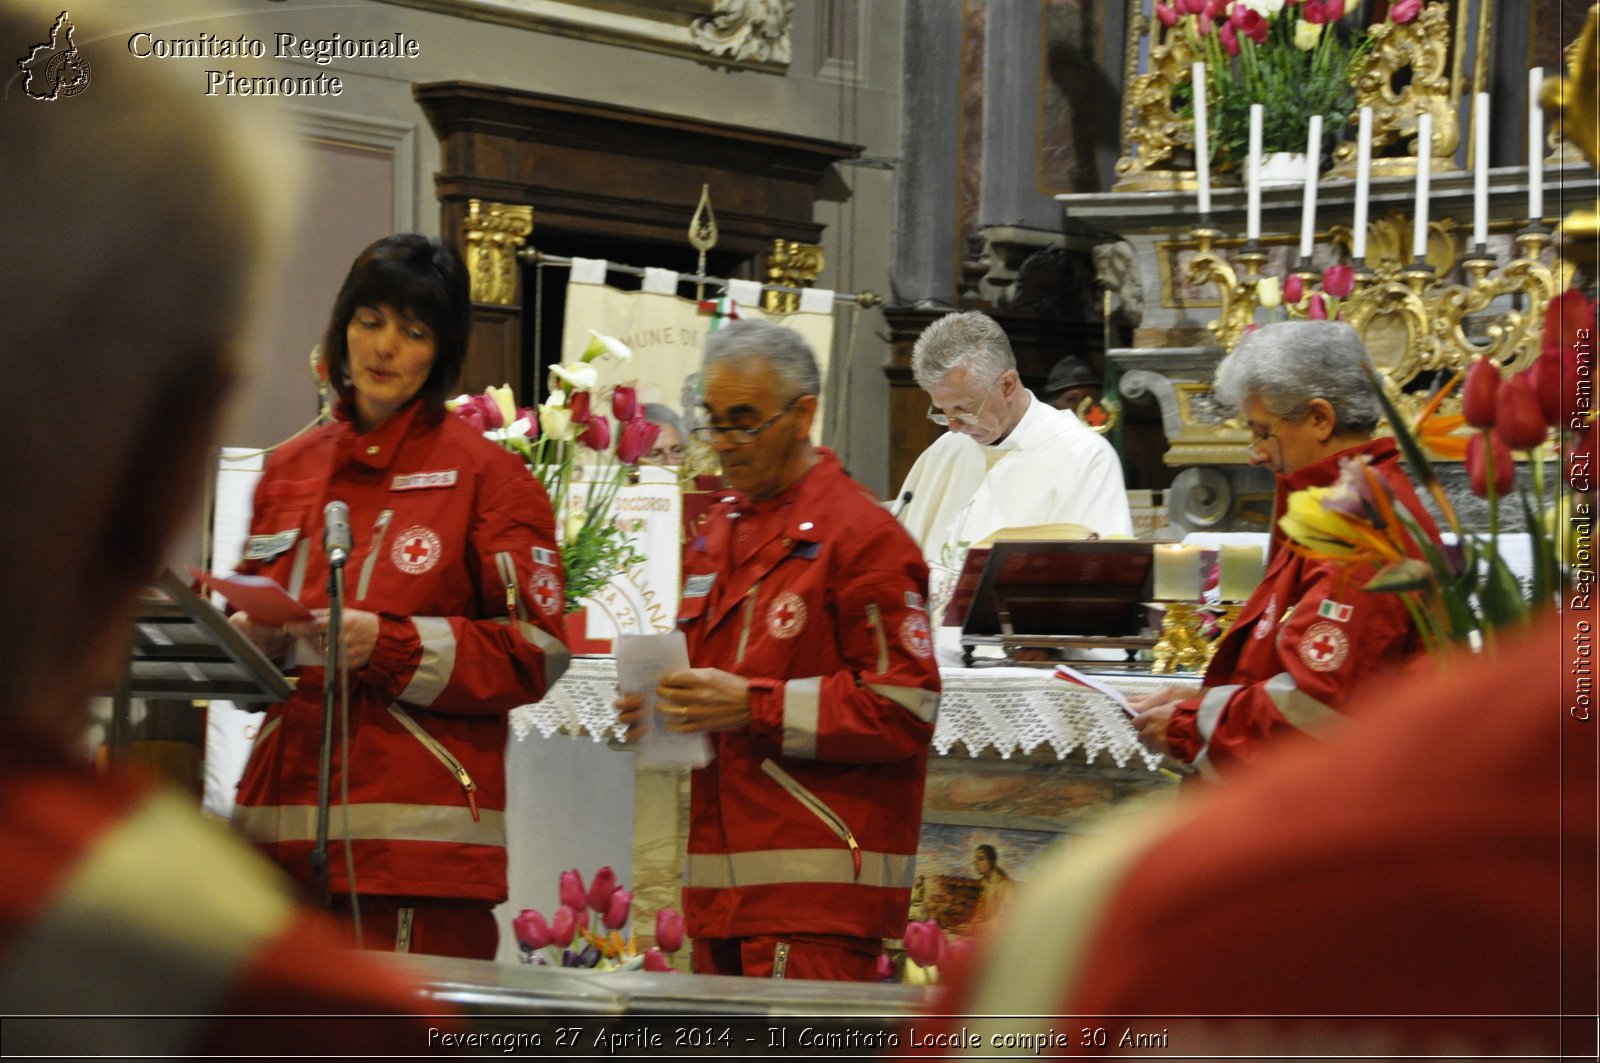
[(1257, 440), (945, 420), (740, 437)]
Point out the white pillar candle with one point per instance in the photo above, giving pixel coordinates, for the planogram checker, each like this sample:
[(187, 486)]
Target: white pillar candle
[(1202, 137), (1252, 221), (1358, 227), (1535, 146), (1308, 209), (1240, 567), (1177, 573), (1419, 225), (1480, 171)]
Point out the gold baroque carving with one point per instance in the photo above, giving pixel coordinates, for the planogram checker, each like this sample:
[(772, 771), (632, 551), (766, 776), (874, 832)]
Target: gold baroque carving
[(1423, 47), (493, 233), (1154, 130), (791, 265)]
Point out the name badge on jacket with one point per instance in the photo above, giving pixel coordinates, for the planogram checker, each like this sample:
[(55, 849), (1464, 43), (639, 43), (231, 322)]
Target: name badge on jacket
[(266, 547)]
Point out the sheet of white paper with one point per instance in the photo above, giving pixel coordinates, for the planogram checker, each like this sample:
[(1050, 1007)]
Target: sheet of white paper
[(1072, 675), (641, 662)]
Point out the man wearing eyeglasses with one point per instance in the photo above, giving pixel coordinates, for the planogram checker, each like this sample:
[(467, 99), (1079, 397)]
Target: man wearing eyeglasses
[(804, 606), (1007, 461)]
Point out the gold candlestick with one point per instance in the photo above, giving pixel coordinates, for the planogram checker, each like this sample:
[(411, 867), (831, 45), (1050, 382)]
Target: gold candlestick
[(1180, 648)]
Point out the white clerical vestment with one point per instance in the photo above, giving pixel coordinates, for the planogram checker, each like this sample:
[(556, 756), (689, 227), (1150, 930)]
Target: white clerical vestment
[(1051, 469)]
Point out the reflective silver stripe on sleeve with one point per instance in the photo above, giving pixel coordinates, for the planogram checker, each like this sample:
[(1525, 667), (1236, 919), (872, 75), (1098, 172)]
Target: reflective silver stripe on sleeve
[(297, 574), (438, 660), (556, 654), (1212, 701), (802, 700), (131, 931), (923, 704), (1299, 708), (875, 618), (771, 867), (393, 822)]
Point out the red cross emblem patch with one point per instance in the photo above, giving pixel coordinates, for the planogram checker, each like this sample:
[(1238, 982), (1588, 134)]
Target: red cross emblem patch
[(1269, 616), (914, 635), (786, 616), (1324, 647), (415, 550), (545, 590)]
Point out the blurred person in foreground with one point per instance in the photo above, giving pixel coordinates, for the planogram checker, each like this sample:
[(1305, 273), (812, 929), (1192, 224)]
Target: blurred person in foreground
[(452, 617), (1007, 459), (813, 674), (1310, 632), (1383, 894), (118, 899)]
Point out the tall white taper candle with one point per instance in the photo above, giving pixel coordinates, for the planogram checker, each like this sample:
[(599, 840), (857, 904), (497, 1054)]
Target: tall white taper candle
[(1480, 170), (1308, 209), (1202, 136), (1252, 220), (1358, 237), (1535, 146), (1419, 224)]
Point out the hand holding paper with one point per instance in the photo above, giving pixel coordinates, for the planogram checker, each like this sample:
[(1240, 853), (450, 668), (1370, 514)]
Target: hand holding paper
[(642, 661)]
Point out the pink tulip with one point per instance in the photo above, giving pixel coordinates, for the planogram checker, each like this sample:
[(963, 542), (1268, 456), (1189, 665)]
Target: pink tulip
[(1294, 288), (562, 927), (1229, 38), (1338, 281), (1316, 308), (655, 960), (1505, 469), (1518, 420), (924, 943), (532, 417), (573, 894), (616, 916), (1248, 22), (637, 438), (624, 401), (1167, 15), (1334, 9), (578, 406), (1405, 11), (601, 887), (885, 968), (596, 434), (531, 929), (669, 930), (1193, 7), (470, 413), (492, 416), (1480, 393), (580, 918)]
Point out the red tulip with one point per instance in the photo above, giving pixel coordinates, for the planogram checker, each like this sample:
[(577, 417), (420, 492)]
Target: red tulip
[(1545, 376), (1518, 420), (470, 413), (596, 434), (885, 968), (1405, 11), (655, 961), (960, 954), (531, 929), (1167, 15), (1334, 9), (637, 438), (616, 916), (1294, 288), (1338, 281), (580, 918), (573, 895), (601, 887), (1565, 321), (1316, 307), (924, 942), (669, 930), (624, 401), (1505, 468), (1479, 393), (578, 406), (562, 927), (1251, 24), (493, 416), (1193, 7), (1229, 38)]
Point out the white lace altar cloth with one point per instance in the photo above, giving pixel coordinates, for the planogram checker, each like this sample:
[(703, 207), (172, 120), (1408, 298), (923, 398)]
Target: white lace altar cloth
[(1007, 709)]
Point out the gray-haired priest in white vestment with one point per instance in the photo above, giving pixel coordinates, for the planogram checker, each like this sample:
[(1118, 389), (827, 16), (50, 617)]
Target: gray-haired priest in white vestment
[(1007, 461)]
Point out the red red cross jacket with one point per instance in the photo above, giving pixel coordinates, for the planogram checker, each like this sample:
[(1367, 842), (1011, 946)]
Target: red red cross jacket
[(807, 820), (1304, 639), (119, 900), (454, 548)]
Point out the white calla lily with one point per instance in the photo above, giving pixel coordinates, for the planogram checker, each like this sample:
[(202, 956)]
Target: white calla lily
[(581, 377), (603, 345)]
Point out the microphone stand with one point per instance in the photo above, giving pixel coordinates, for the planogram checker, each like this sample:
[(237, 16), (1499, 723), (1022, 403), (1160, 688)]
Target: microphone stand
[(331, 660)]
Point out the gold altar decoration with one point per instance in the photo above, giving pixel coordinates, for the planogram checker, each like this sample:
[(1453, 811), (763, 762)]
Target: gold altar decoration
[(790, 264), (1389, 244), (703, 235), (1236, 295), (1182, 647), (1421, 46), (1576, 100), (494, 233), (1152, 129)]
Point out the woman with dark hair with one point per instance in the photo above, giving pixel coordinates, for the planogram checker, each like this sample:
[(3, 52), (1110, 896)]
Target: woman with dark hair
[(452, 616)]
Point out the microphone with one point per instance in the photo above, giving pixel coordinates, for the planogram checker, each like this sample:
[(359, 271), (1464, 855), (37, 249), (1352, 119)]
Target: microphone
[(905, 500), (336, 533)]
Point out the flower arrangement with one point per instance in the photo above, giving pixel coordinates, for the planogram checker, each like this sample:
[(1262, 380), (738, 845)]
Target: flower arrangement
[(568, 929), (1461, 594), (928, 949), (1291, 56), (569, 441)]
